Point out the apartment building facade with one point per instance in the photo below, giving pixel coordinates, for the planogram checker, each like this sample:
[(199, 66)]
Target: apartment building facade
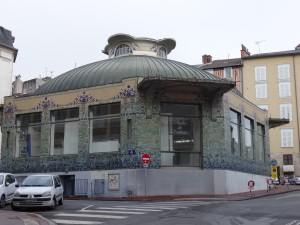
[(8, 55), (230, 69), (272, 82), (20, 87)]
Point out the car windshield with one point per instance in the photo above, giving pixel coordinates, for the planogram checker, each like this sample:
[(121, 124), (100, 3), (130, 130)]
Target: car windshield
[(37, 181), (1, 179)]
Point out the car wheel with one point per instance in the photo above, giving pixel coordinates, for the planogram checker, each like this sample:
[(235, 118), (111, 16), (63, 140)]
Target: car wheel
[(14, 207), (2, 201), (53, 204), (61, 201)]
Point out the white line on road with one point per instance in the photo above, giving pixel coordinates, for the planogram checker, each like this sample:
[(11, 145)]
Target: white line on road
[(77, 222), (189, 204), (180, 202), (30, 222), (294, 221), (153, 207), (132, 209), (90, 215), (87, 207), (289, 196), (110, 211)]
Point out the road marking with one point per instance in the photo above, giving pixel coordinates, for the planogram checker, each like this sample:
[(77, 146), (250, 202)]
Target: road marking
[(132, 209), (86, 207), (77, 222), (89, 215), (289, 196), (182, 204), (116, 212), (30, 222), (154, 207), (177, 202), (294, 221)]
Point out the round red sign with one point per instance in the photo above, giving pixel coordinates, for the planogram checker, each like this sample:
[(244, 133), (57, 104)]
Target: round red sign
[(146, 158), (251, 183), (269, 181)]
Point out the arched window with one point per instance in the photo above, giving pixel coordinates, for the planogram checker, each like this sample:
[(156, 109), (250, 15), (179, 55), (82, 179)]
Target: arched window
[(162, 53), (123, 50)]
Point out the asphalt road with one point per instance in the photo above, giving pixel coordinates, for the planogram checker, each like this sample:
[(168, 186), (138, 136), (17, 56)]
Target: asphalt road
[(282, 209)]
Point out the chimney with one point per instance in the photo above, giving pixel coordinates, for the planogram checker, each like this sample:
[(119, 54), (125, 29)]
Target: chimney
[(244, 51), (206, 59), (297, 47)]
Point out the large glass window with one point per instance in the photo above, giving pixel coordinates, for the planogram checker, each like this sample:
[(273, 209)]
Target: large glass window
[(249, 131), (284, 89), (28, 135), (64, 131), (286, 111), (261, 91), (105, 127), (162, 53), (228, 73), (284, 72), (235, 123), (260, 73), (180, 135), (287, 138), (123, 50), (261, 142)]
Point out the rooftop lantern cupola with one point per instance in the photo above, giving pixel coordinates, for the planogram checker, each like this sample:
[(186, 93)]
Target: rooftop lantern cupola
[(124, 44)]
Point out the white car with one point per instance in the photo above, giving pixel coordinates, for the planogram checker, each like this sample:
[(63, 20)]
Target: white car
[(8, 185), (38, 191)]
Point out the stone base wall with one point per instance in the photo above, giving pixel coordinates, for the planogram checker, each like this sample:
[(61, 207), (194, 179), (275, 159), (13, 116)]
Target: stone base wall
[(169, 181)]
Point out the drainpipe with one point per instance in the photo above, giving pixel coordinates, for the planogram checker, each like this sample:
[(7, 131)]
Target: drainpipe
[(242, 77), (297, 111)]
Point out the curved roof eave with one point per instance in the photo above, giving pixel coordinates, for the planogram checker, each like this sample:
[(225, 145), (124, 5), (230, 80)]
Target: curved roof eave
[(222, 86)]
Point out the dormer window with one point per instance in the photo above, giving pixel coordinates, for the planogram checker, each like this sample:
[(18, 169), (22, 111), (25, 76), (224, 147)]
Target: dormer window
[(123, 50), (162, 53)]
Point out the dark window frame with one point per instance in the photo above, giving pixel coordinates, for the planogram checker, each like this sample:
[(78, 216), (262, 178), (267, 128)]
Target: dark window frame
[(287, 159), (237, 123)]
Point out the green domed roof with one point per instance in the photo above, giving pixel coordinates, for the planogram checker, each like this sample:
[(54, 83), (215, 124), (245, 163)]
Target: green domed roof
[(115, 70)]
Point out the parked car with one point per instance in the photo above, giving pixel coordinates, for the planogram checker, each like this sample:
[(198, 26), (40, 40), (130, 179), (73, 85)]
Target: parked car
[(295, 180), (287, 180), (8, 185), (275, 181), (38, 191)]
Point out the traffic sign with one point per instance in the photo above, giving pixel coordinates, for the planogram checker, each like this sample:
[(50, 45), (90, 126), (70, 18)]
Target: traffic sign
[(274, 171), (131, 152), (270, 181), (146, 159), (251, 183), (273, 162)]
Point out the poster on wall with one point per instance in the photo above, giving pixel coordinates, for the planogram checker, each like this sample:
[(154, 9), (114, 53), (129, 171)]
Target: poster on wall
[(114, 182), (182, 128)]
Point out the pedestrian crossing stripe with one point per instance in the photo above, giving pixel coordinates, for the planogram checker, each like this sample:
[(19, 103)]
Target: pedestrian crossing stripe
[(108, 212), (155, 207), (131, 209), (113, 212), (91, 215), (76, 222)]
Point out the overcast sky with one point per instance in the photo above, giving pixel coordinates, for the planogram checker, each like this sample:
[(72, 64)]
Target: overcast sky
[(56, 35)]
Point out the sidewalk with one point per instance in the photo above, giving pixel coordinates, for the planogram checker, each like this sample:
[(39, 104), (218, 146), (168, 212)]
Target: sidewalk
[(27, 218), (22, 218), (278, 189)]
